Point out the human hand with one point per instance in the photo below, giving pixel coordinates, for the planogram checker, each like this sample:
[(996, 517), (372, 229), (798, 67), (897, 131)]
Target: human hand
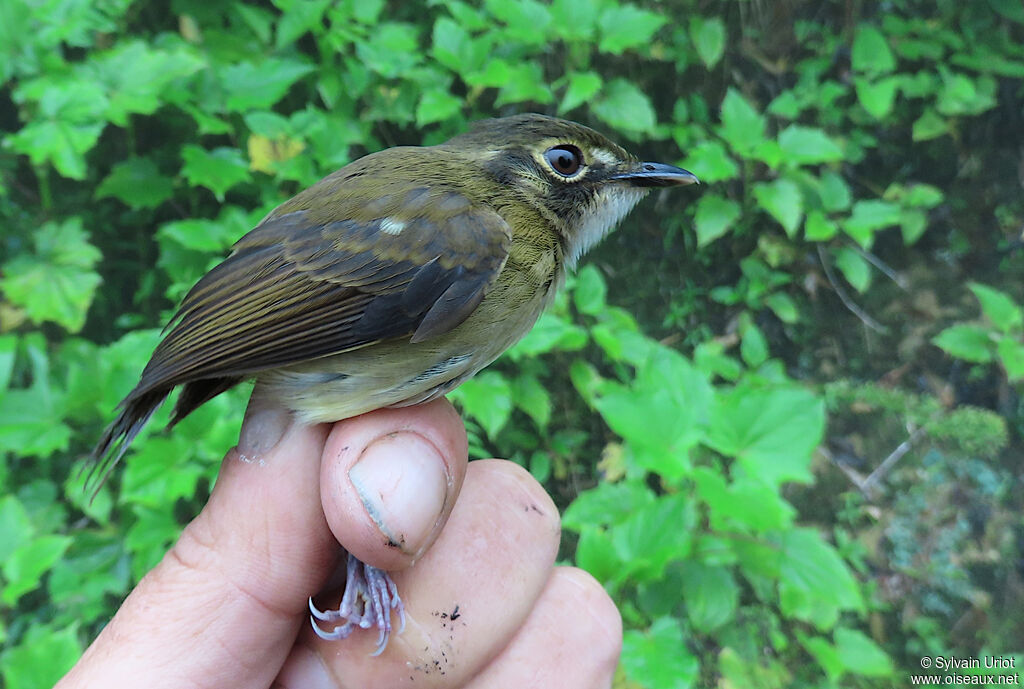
[(485, 607)]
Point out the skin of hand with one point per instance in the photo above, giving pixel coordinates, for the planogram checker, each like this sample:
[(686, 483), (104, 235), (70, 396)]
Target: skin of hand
[(486, 607)]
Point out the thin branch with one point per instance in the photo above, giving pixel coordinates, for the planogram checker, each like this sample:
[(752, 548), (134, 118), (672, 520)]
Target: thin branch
[(845, 298), (882, 266), (868, 486)]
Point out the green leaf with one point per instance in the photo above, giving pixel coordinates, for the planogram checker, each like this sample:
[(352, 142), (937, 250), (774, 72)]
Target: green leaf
[(742, 126), (138, 77), (929, 126), (41, 658), (15, 526), (606, 504), (526, 21), (259, 85), (783, 201), (818, 228), (877, 97), (524, 82), (913, 224), (8, 348), (654, 535), (998, 307), (137, 182), (589, 291), (550, 333), (27, 564), (1011, 354), (803, 145), (744, 504), (456, 49), (708, 36), (772, 432), (860, 655), (626, 108), (533, 398), (825, 653), (835, 194), (753, 346), (56, 282), (854, 268), (300, 17), (714, 217), (868, 217), (963, 95), (871, 53), (784, 307), (710, 594), (217, 170), (486, 397), (596, 554), (711, 162), (626, 26), (815, 584), (658, 657), (582, 87), (71, 114), (968, 342), (1011, 9), (436, 105)]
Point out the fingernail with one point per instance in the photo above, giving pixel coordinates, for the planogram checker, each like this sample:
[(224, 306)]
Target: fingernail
[(402, 481), (262, 430)]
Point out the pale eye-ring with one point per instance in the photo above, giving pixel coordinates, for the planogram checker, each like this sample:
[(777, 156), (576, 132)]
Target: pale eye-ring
[(565, 159)]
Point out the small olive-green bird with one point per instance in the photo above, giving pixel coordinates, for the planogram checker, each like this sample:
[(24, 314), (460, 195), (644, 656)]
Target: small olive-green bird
[(389, 283)]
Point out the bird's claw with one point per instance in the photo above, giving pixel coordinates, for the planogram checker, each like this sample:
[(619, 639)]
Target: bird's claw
[(370, 595)]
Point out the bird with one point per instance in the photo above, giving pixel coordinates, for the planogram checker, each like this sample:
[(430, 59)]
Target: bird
[(388, 283)]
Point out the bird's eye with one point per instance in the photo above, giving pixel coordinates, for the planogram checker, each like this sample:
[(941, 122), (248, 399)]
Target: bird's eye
[(566, 160)]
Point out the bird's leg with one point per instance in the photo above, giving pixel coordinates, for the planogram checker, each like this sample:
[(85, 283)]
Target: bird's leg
[(370, 595)]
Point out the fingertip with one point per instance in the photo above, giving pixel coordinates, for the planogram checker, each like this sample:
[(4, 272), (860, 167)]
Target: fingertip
[(389, 480)]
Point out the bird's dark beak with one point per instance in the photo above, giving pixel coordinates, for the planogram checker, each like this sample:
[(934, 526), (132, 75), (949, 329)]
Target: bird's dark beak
[(657, 175)]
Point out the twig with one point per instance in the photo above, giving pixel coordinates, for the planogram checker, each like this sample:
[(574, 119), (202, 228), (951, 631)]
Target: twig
[(843, 297), (868, 485), (882, 266)]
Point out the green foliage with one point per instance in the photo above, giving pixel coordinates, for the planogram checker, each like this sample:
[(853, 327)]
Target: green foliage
[(740, 512)]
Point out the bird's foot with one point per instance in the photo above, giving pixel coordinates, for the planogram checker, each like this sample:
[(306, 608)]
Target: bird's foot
[(369, 597)]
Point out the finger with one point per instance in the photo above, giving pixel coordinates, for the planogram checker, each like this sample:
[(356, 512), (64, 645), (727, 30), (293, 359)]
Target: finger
[(571, 640), (465, 598), (224, 605), (390, 479)]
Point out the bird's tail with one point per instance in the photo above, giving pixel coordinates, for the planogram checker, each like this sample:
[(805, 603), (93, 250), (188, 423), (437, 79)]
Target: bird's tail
[(117, 438)]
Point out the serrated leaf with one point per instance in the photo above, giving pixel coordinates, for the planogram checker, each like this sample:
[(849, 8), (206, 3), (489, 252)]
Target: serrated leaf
[(808, 145), (929, 126), (772, 432), (658, 657), (626, 108), (783, 201), (710, 594), (486, 397), (871, 53), (436, 105), (877, 97), (998, 307), (56, 282), (742, 126), (968, 342), (626, 26), (860, 655), (217, 170), (259, 85), (708, 36), (710, 161), (814, 583), (138, 183), (868, 217), (854, 268), (27, 564), (714, 217), (582, 87)]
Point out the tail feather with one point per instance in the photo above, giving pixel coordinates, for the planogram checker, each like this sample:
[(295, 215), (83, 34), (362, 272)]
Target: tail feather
[(118, 437)]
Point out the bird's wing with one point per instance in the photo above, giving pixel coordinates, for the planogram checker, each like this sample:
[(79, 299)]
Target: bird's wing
[(312, 282)]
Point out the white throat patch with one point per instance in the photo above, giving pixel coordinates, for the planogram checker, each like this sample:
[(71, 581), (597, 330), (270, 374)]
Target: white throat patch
[(610, 206)]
